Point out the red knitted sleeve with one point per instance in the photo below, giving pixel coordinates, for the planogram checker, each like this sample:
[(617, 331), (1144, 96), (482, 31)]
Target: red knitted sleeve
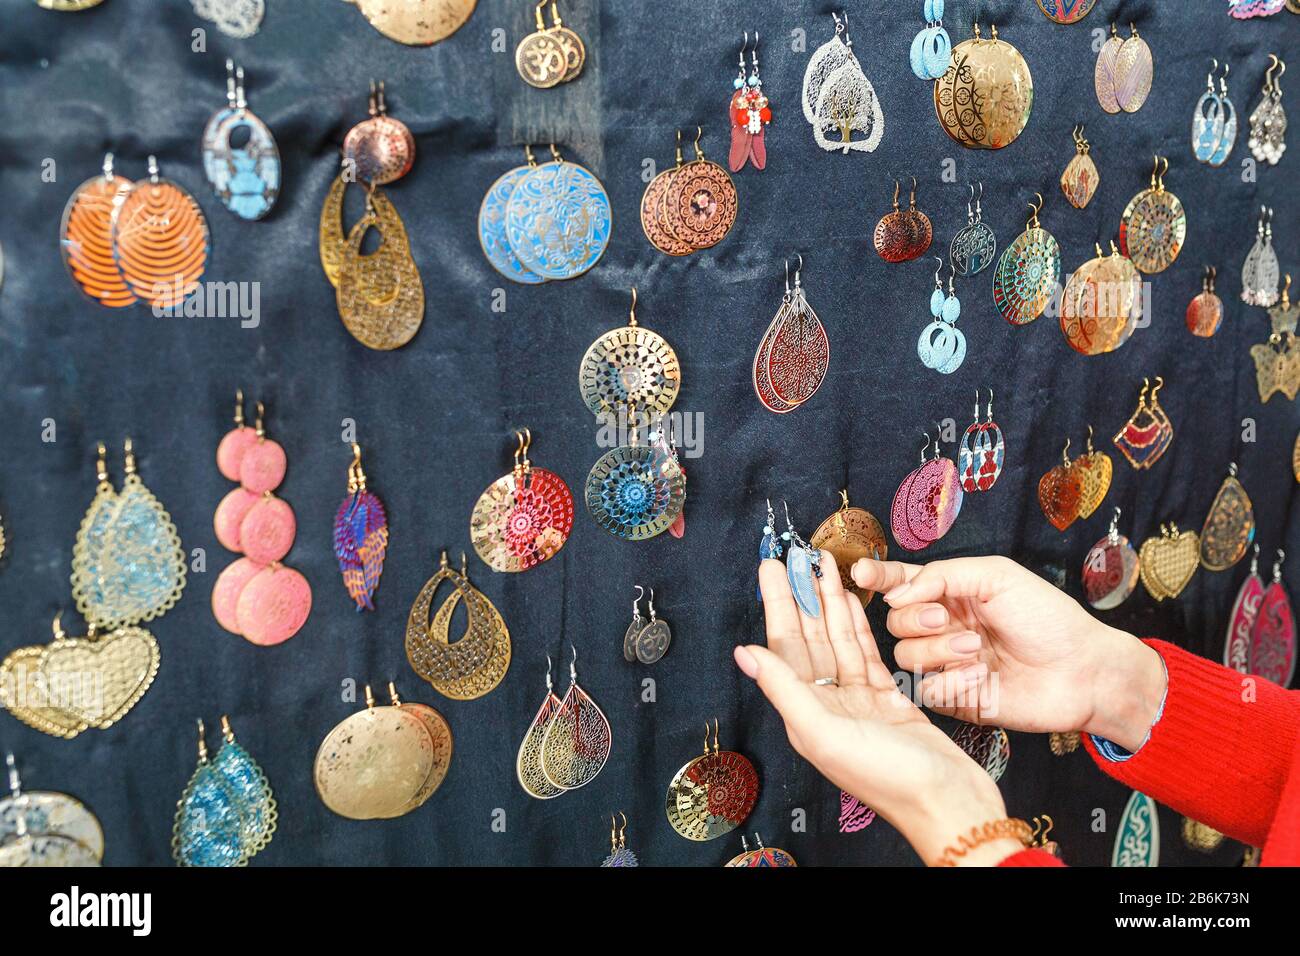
[(1222, 750), (1031, 858)]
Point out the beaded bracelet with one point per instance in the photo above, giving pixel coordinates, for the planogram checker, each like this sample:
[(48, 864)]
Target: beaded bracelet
[(994, 830)]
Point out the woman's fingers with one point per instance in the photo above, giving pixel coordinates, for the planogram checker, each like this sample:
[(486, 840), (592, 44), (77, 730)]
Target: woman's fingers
[(872, 575), (918, 620), (976, 578), (877, 673), (781, 616), (920, 655), (955, 692), (851, 667), (789, 693), (816, 632)]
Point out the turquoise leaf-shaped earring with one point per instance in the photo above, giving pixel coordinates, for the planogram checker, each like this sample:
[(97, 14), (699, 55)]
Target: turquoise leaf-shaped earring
[(127, 564), (208, 830), (249, 791)]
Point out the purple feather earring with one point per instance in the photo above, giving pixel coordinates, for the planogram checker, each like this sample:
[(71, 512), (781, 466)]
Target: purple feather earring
[(360, 536)]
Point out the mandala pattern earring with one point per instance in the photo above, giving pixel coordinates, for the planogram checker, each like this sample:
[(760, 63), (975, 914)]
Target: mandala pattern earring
[(558, 219), (982, 451), (86, 238), (577, 739), (1168, 562), (360, 537), (1111, 569), (1080, 179), (227, 814), (1272, 653), (1153, 226), (794, 354), (550, 55), (751, 112), (973, 247), (1101, 304), (700, 202), (524, 517), (942, 346), (655, 223), (528, 761), (849, 535), (1028, 272), (1260, 271), (712, 794), (927, 502), (1268, 122), (619, 854), (1146, 436), (475, 663), (903, 234), (1124, 72), (1229, 526), (931, 51), (1205, 311), (803, 568), (160, 241), (984, 98), (1059, 492), (245, 178), (1241, 622), (1214, 121), (838, 99)]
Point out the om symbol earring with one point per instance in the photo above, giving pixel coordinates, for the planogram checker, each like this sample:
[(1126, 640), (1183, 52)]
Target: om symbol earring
[(942, 346)]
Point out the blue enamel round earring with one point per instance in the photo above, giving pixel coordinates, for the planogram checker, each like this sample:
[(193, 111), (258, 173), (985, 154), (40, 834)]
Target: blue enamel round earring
[(941, 345), (931, 50), (245, 178)]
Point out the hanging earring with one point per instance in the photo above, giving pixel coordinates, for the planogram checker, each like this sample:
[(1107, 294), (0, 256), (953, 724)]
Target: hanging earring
[(1066, 11), (1028, 272), (855, 815), (492, 224), (1168, 562), (360, 537), (1267, 140), (1147, 434), (475, 663), (990, 747), (246, 178), (524, 517), (619, 854), (237, 441), (160, 241), (558, 219), (803, 566), (1205, 311), (417, 22), (1241, 622), (1124, 72), (931, 500), (528, 761), (1080, 179), (700, 203), (1153, 226), (1137, 844), (1110, 571), (838, 99), (235, 18), (86, 238), (712, 794), (751, 112), (634, 629), (46, 828), (1277, 361), (903, 235), (378, 321), (381, 149), (794, 354), (942, 346), (663, 443), (1101, 303), (763, 857), (973, 247), (984, 99), (1229, 525), (1094, 470), (898, 522), (1060, 491), (982, 451), (1260, 271), (931, 48), (770, 544), (577, 740), (851, 534), (1212, 118), (653, 640), (550, 55), (1272, 652), (655, 222)]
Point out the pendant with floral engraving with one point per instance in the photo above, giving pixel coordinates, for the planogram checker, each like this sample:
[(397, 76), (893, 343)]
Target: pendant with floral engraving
[(1153, 226), (974, 245), (1241, 622), (524, 517), (634, 495), (984, 98), (1124, 71), (246, 178), (1110, 571), (1148, 433), (558, 219), (794, 354), (577, 739), (1066, 11), (903, 234), (227, 814), (849, 535), (1079, 181), (838, 99), (528, 760), (712, 794), (360, 537), (1272, 652), (1137, 842), (1205, 311), (1229, 527), (931, 502), (700, 202), (492, 225), (1028, 272), (655, 221), (981, 452)]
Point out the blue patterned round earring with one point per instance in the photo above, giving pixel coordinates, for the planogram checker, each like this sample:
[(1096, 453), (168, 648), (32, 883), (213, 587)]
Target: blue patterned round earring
[(941, 345)]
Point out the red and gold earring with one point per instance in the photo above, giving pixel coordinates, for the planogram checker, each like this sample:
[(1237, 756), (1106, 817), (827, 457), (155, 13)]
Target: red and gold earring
[(524, 517), (903, 234), (1060, 491), (1205, 312)]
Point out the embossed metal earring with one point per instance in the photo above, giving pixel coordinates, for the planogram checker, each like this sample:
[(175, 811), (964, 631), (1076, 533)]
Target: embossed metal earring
[(1277, 361), (492, 224), (1028, 272), (984, 98), (931, 48), (577, 739), (1154, 225), (557, 219), (528, 761), (1080, 179), (1169, 561), (245, 178), (974, 245), (476, 662), (700, 202), (982, 451), (524, 517), (1205, 311), (1272, 653), (1101, 303), (634, 629), (619, 854), (927, 501), (653, 639), (550, 55), (1268, 122), (1123, 75), (803, 567), (46, 828), (1146, 436), (751, 112), (1110, 571), (838, 99), (1095, 470), (1229, 525), (655, 222), (794, 354), (381, 149), (360, 537), (1241, 622), (941, 345), (901, 235), (227, 813), (851, 534), (1066, 11), (712, 794), (1059, 492), (1260, 271), (416, 22)]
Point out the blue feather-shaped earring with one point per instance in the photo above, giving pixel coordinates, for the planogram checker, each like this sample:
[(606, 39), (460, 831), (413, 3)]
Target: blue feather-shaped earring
[(770, 546), (360, 536), (803, 566)]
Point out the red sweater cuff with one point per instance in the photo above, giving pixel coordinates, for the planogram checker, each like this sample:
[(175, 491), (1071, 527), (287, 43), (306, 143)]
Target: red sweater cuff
[(1032, 857), (1221, 750)]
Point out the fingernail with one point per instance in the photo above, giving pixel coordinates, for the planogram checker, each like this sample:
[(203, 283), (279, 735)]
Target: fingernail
[(964, 643), (893, 595), (746, 662), (933, 617)]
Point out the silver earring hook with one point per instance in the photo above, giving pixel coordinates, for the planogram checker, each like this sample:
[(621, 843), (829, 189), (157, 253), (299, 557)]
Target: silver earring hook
[(548, 672), (573, 664), (640, 593), (937, 283), (787, 276), (798, 273), (652, 605), (925, 447), (230, 82), (990, 418)]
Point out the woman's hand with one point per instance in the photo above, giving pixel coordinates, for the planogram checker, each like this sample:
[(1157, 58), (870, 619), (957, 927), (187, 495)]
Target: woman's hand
[(1057, 668), (862, 733)]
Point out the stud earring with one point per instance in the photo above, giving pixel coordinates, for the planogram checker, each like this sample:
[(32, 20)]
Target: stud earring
[(1124, 72), (942, 346), (973, 247), (524, 517), (1241, 622), (712, 794), (528, 760), (1272, 653), (1080, 179), (903, 235), (360, 536), (1260, 271), (751, 112), (803, 567), (1028, 272), (851, 534), (619, 854), (577, 740), (1268, 122), (982, 451), (1146, 436), (1110, 571), (1205, 311), (1229, 525), (475, 663), (245, 178), (838, 99), (794, 354), (1154, 225)]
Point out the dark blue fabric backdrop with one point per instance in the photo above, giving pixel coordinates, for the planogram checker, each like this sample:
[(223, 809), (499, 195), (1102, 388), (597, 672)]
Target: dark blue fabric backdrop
[(435, 418)]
